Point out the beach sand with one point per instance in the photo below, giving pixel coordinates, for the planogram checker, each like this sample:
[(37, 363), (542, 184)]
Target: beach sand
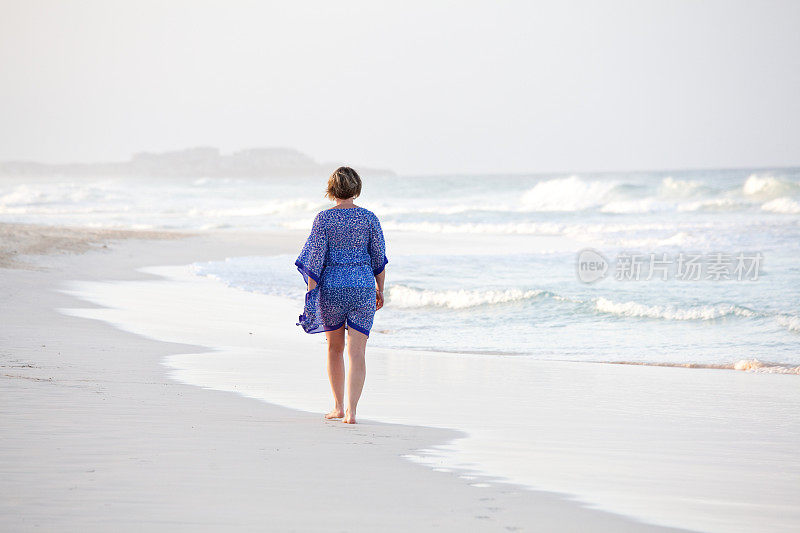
[(97, 437)]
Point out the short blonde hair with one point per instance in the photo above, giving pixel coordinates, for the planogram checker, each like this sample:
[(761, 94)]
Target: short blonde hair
[(344, 183)]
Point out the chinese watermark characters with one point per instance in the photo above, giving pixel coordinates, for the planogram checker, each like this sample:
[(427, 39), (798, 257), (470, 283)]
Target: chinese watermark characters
[(683, 266)]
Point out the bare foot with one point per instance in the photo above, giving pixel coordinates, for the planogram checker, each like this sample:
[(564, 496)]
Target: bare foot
[(349, 417), (336, 413)]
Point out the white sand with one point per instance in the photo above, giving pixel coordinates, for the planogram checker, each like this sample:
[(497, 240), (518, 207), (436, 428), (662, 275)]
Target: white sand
[(97, 437), (712, 450)]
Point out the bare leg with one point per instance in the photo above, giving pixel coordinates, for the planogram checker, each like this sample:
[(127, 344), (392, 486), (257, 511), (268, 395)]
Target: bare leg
[(356, 372), (336, 370)]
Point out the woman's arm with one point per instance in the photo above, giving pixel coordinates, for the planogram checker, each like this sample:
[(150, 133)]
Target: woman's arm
[(377, 254), (311, 262), (380, 278)]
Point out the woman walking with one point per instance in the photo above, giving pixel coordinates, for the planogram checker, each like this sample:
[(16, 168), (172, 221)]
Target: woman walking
[(344, 266)]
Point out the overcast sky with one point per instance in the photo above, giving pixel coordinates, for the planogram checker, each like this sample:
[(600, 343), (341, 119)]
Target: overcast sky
[(419, 87)]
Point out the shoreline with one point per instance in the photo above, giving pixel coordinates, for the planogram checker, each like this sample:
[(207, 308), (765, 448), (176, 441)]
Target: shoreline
[(97, 435), (648, 442), (743, 365)]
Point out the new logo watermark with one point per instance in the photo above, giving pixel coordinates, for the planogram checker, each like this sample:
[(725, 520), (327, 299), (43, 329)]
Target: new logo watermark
[(593, 266)]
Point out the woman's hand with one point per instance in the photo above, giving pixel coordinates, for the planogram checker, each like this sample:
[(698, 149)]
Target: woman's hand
[(378, 299), (379, 279)]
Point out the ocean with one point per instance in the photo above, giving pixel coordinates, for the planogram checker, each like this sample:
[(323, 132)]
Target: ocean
[(488, 290)]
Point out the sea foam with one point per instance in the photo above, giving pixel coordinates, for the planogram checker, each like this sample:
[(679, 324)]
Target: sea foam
[(567, 194), (408, 297), (765, 187), (792, 323), (754, 365), (668, 312), (782, 205), (676, 188)]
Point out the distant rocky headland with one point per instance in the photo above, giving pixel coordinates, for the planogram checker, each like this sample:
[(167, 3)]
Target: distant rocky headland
[(192, 162)]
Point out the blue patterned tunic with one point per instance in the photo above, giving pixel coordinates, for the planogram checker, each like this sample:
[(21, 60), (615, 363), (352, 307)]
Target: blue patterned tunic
[(343, 254)]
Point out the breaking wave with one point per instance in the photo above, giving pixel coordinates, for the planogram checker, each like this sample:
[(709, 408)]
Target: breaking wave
[(767, 187), (699, 312), (408, 297), (714, 205), (672, 188), (792, 323), (782, 205), (567, 194), (702, 312)]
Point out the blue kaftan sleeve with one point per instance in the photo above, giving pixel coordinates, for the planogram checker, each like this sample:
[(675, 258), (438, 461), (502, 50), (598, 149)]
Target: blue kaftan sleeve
[(377, 247), (312, 259)]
